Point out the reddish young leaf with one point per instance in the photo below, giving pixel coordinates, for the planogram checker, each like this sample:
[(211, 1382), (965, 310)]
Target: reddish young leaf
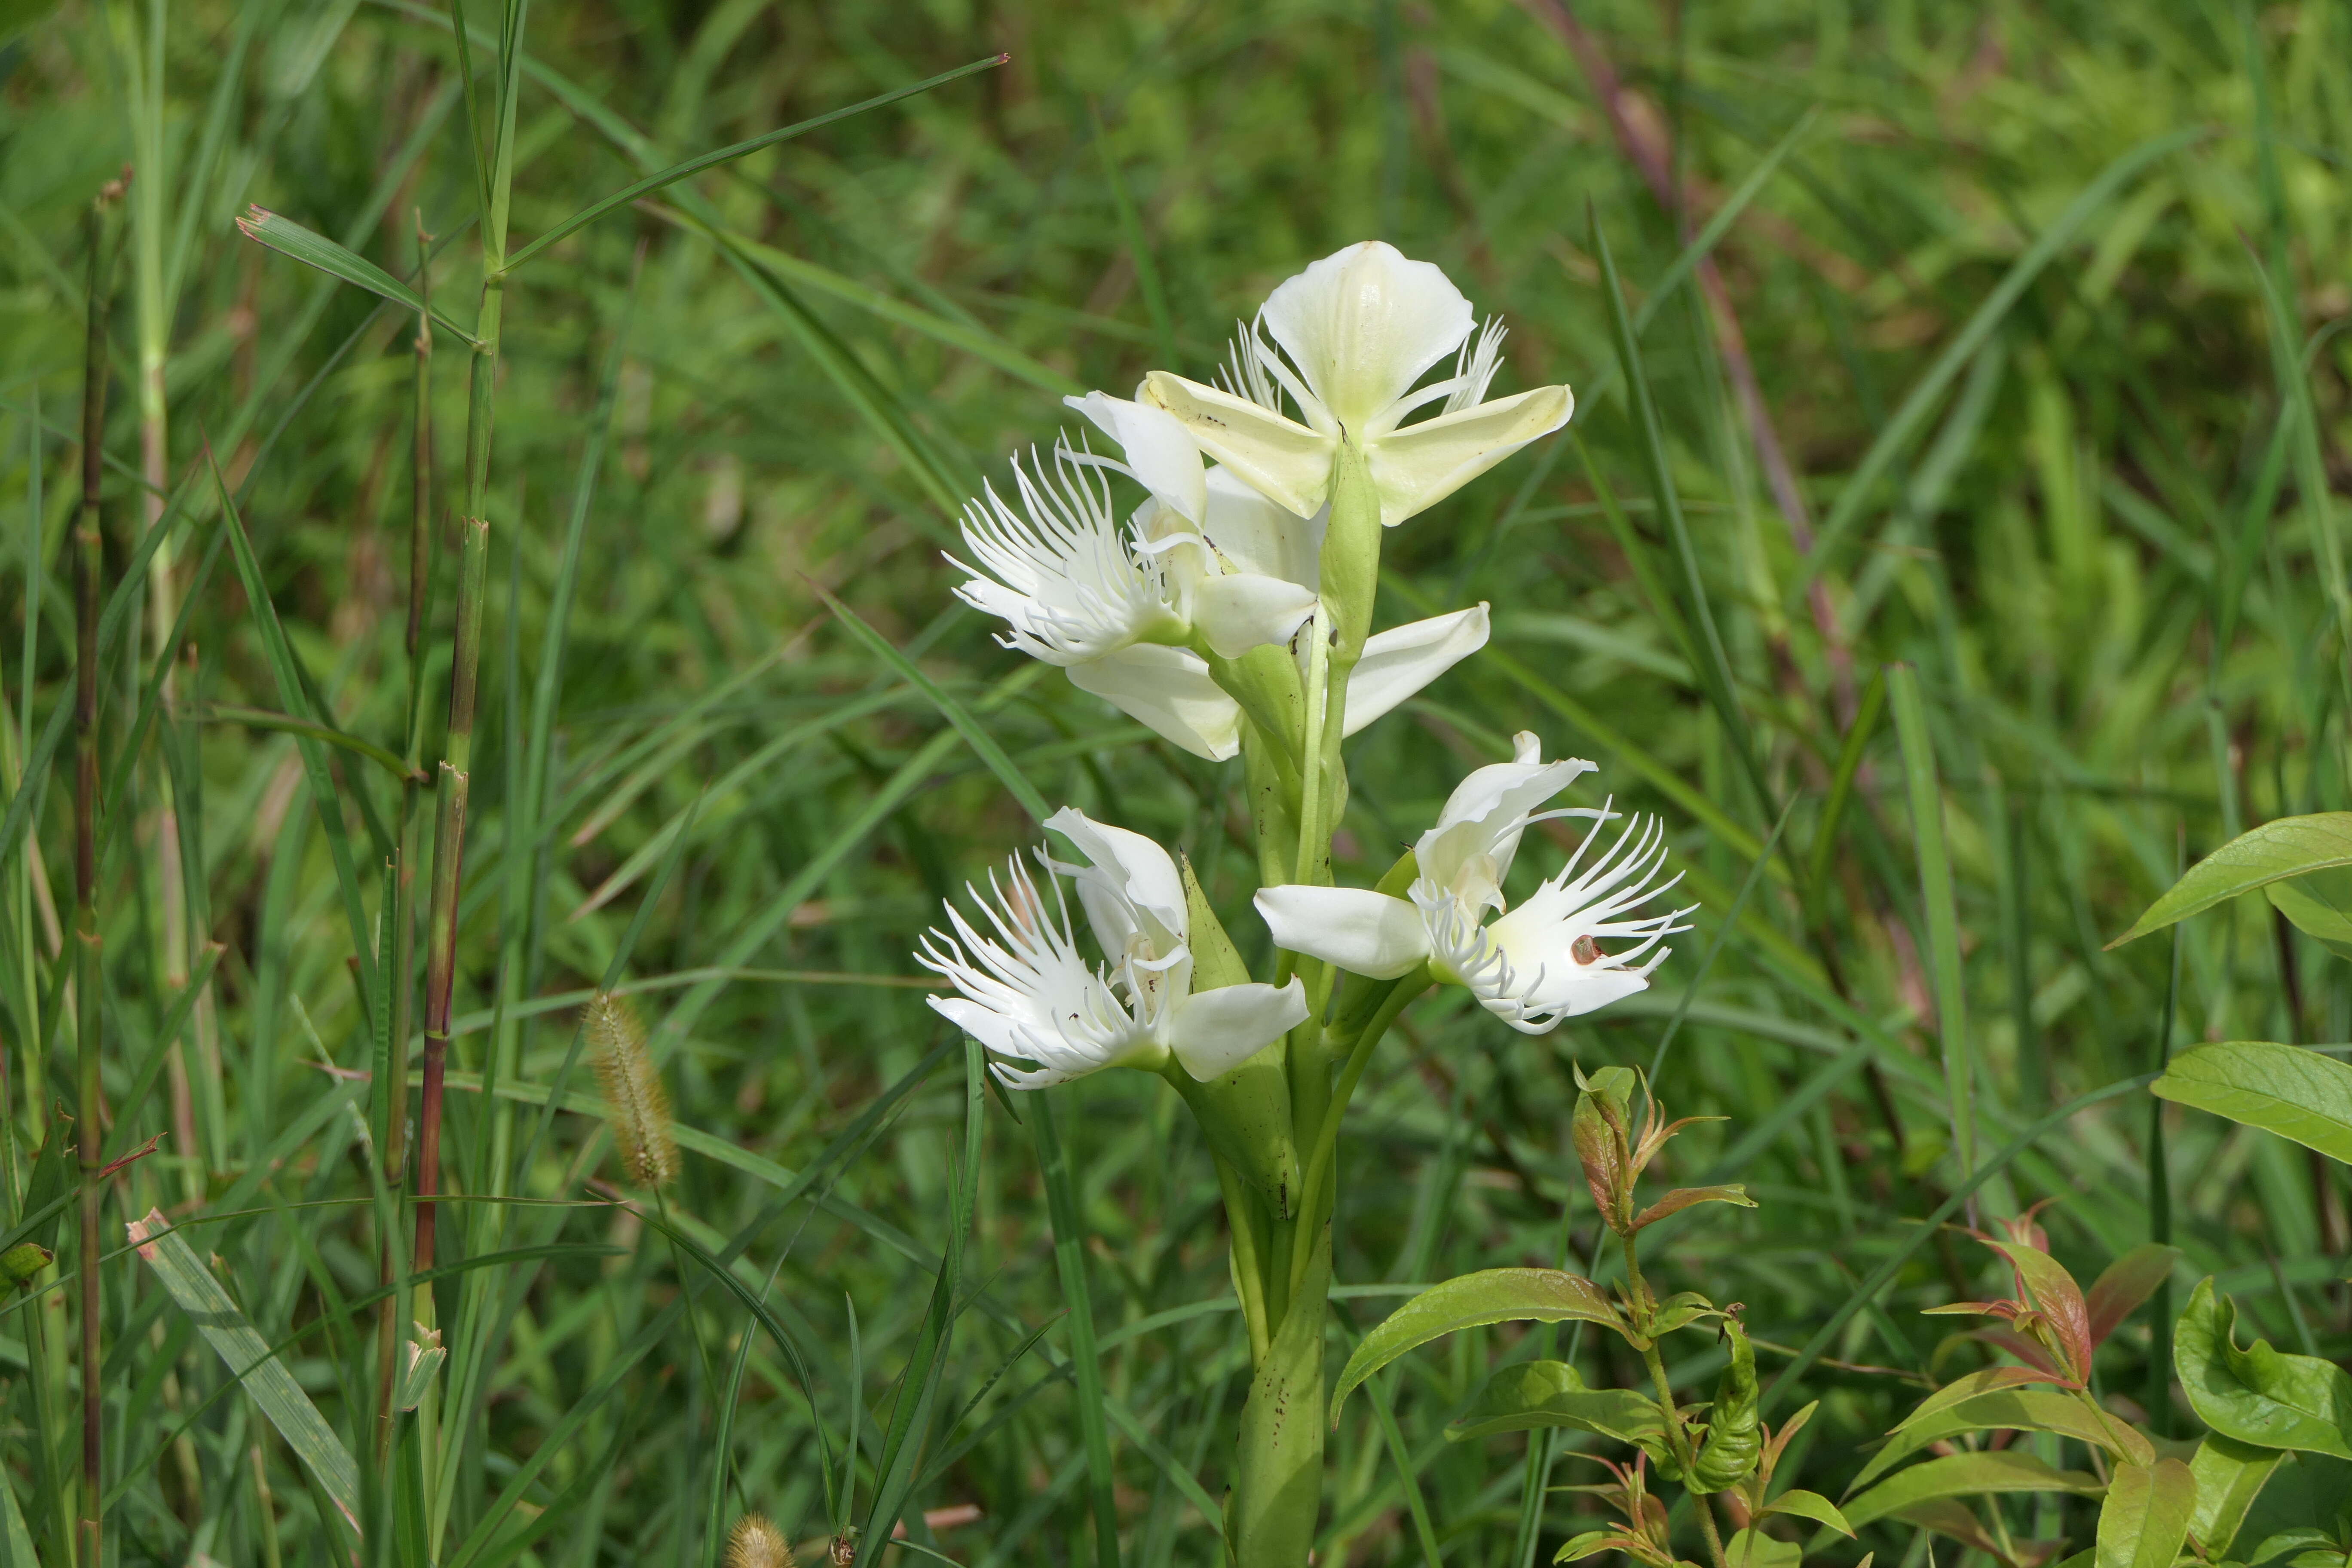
[(2056, 1295), (2127, 1281)]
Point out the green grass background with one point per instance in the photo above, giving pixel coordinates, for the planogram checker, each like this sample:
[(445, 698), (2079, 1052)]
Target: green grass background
[(2086, 499)]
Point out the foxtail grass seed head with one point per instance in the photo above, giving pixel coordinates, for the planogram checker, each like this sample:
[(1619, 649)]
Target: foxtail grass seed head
[(756, 1543), (635, 1104)]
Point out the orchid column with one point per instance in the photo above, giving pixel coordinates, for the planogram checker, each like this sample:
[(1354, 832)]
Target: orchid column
[(1232, 612)]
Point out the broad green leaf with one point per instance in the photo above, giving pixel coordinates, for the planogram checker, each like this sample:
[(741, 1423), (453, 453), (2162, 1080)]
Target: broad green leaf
[(2320, 905), (1551, 1394), (1803, 1504), (2285, 1090), (249, 1361), (2259, 1395), (2306, 1491), (2146, 1517), (289, 238), (2013, 1409), (2230, 1476), (1754, 1548), (1967, 1474), (2288, 847), (2126, 1282), (1489, 1296)]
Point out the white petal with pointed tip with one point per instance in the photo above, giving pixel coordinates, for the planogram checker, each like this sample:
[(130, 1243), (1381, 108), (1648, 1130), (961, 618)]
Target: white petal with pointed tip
[(1216, 1031), (1363, 931), (1256, 535), (1364, 324), (1283, 460), (1161, 452), (1401, 661), (1169, 691), (1137, 874), (1242, 611), (1417, 467)]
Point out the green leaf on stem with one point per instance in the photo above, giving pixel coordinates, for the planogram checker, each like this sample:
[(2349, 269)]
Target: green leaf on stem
[(1473, 1301), (1967, 1474), (1974, 1405), (2259, 1395), (1551, 1394), (2288, 847), (2230, 1476), (2146, 1517), (311, 248), (1803, 1504), (1270, 1517), (2320, 906), (2285, 1090), (1754, 1548)]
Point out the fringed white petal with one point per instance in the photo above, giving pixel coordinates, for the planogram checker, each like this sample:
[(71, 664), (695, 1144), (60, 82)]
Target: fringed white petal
[(1025, 992), (1056, 567)]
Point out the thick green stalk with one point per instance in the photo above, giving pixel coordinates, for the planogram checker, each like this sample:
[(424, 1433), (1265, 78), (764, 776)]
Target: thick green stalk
[(1278, 1473), (89, 986)]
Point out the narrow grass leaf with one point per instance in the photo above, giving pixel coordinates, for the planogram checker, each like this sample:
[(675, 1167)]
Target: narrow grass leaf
[(289, 238), (251, 1362), (1941, 906)]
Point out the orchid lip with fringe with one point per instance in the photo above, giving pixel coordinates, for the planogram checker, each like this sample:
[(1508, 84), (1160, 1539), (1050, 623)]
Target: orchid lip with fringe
[(1028, 996), (1534, 965)]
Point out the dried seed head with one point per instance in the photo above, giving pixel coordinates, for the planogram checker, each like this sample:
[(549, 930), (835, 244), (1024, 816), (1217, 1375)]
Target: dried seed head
[(756, 1543), (635, 1104)]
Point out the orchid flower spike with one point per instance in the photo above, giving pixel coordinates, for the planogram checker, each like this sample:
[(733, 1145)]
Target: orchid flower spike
[(1350, 337), (1538, 963), (1047, 1017)]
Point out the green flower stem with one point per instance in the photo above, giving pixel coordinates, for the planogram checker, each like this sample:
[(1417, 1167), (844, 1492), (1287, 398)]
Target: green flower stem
[(1243, 1217), (1314, 1201), (1678, 1437)]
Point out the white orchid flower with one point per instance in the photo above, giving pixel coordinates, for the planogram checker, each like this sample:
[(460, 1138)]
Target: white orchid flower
[(1538, 963), (1071, 583), (1028, 997), (1169, 690), (1351, 335)]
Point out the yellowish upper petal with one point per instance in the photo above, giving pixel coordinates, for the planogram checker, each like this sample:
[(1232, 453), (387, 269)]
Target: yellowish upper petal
[(1282, 460), (1419, 465)]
